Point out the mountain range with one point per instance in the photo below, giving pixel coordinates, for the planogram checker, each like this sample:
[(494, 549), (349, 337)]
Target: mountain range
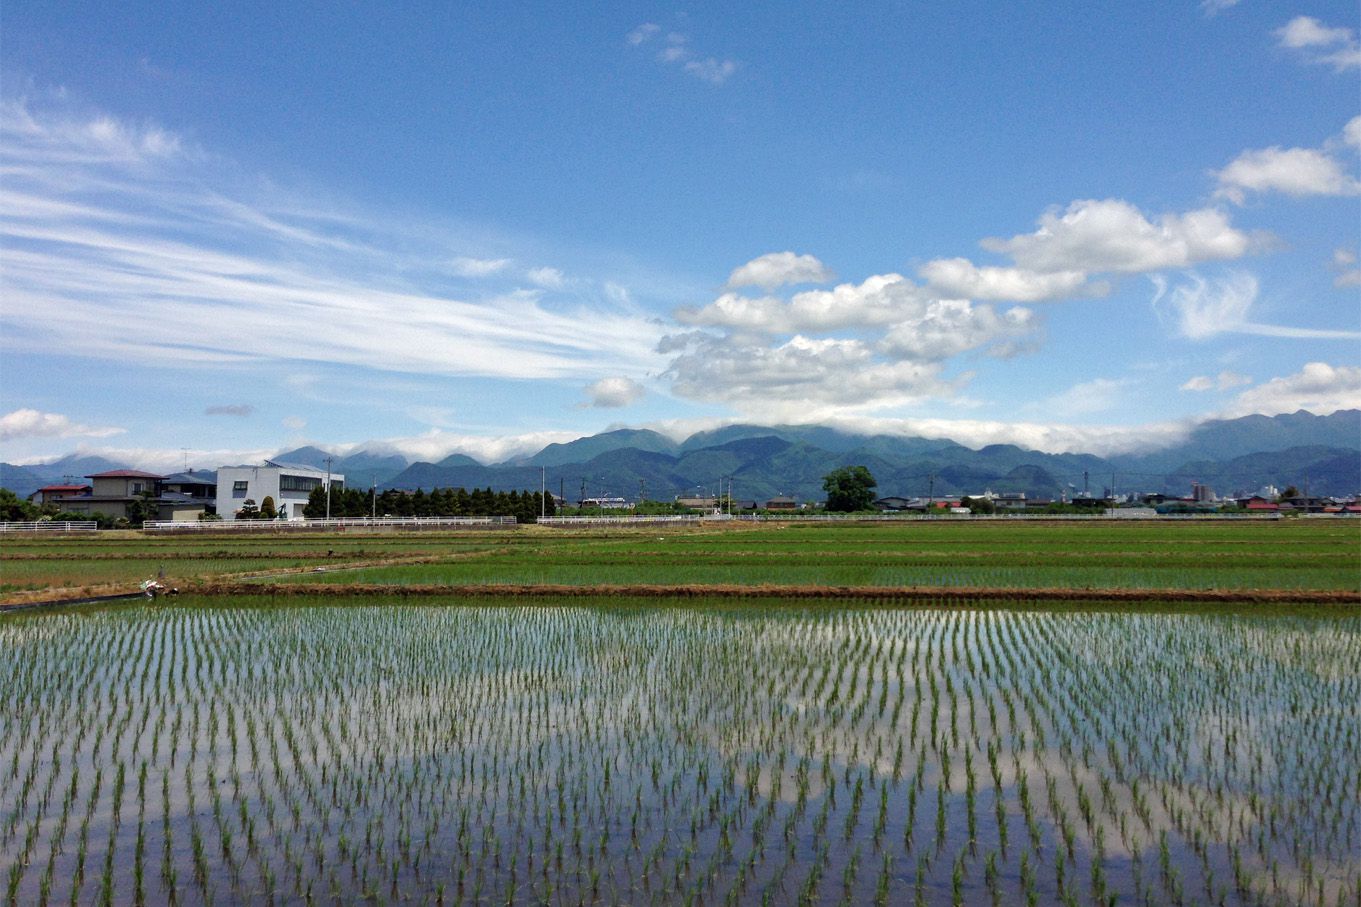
[(1322, 453)]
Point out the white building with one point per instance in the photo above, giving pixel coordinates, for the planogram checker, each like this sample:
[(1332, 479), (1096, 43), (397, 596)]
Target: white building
[(287, 483)]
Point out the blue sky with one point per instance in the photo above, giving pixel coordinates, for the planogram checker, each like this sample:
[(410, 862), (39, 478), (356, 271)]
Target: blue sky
[(482, 228)]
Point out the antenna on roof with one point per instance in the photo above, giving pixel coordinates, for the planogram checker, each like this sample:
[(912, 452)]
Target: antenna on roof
[(185, 451)]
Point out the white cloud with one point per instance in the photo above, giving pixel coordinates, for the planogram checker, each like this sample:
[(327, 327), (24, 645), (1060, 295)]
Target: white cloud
[(881, 299), (677, 52), (950, 327), (711, 69), (294, 423), (479, 267), (608, 393), (1318, 43), (776, 269), (961, 278), (645, 32), (1223, 381), (1319, 388), (30, 423), (1111, 235), (1206, 308), (1294, 171), (804, 377), (105, 230), (1351, 133), (1215, 7), (1095, 396), (1344, 263), (548, 278)]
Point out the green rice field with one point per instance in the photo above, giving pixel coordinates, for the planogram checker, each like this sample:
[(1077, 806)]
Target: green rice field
[(1058, 555), (1288, 555), (259, 750)]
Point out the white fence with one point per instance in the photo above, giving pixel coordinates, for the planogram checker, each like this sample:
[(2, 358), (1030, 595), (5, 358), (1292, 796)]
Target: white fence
[(640, 520), (51, 526), (357, 523)]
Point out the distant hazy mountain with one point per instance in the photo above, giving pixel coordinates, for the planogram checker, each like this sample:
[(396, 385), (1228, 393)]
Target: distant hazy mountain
[(585, 449), (763, 461), (19, 479), (1323, 452)]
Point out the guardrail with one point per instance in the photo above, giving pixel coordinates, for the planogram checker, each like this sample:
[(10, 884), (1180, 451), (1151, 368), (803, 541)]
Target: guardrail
[(339, 524), (51, 526)]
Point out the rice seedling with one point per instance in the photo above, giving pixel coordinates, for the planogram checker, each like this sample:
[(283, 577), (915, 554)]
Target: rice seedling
[(616, 751)]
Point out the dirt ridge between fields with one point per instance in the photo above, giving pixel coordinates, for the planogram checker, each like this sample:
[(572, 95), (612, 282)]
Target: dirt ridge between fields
[(808, 592)]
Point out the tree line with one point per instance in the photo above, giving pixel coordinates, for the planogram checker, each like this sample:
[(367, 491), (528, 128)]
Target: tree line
[(525, 506)]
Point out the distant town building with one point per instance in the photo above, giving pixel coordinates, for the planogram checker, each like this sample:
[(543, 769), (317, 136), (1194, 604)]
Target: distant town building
[(782, 502), (54, 494), (112, 493), (289, 484)]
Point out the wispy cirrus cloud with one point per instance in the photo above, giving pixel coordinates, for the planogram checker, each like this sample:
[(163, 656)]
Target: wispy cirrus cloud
[(1202, 308), (107, 228)]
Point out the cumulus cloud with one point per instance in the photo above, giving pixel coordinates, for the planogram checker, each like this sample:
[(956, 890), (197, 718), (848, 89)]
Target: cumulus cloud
[(949, 327), (1297, 172), (1319, 388), (804, 376), (776, 269), (676, 51), (230, 409), (31, 423), (961, 278), (1204, 308), (1111, 235), (1090, 236), (478, 267), (879, 300), (609, 393), (1223, 381), (1318, 43)]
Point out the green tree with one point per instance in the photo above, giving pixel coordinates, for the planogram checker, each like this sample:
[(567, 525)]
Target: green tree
[(249, 510), (978, 505), (14, 509), (849, 489), (267, 509)]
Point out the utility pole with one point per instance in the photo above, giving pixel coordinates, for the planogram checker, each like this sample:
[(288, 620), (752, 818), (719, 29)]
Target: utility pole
[(931, 494), (543, 492), (373, 487), (1085, 492), (642, 491), (1112, 488), (328, 488), (581, 501)]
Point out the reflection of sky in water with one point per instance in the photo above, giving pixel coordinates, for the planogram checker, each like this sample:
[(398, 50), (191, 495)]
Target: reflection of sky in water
[(671, 751)]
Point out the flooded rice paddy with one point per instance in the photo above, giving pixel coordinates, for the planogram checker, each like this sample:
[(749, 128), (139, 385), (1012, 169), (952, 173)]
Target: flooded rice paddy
[(464, 752)]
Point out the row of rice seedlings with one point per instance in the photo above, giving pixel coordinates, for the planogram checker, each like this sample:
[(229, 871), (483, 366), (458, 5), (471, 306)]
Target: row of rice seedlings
[(569, 755)]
